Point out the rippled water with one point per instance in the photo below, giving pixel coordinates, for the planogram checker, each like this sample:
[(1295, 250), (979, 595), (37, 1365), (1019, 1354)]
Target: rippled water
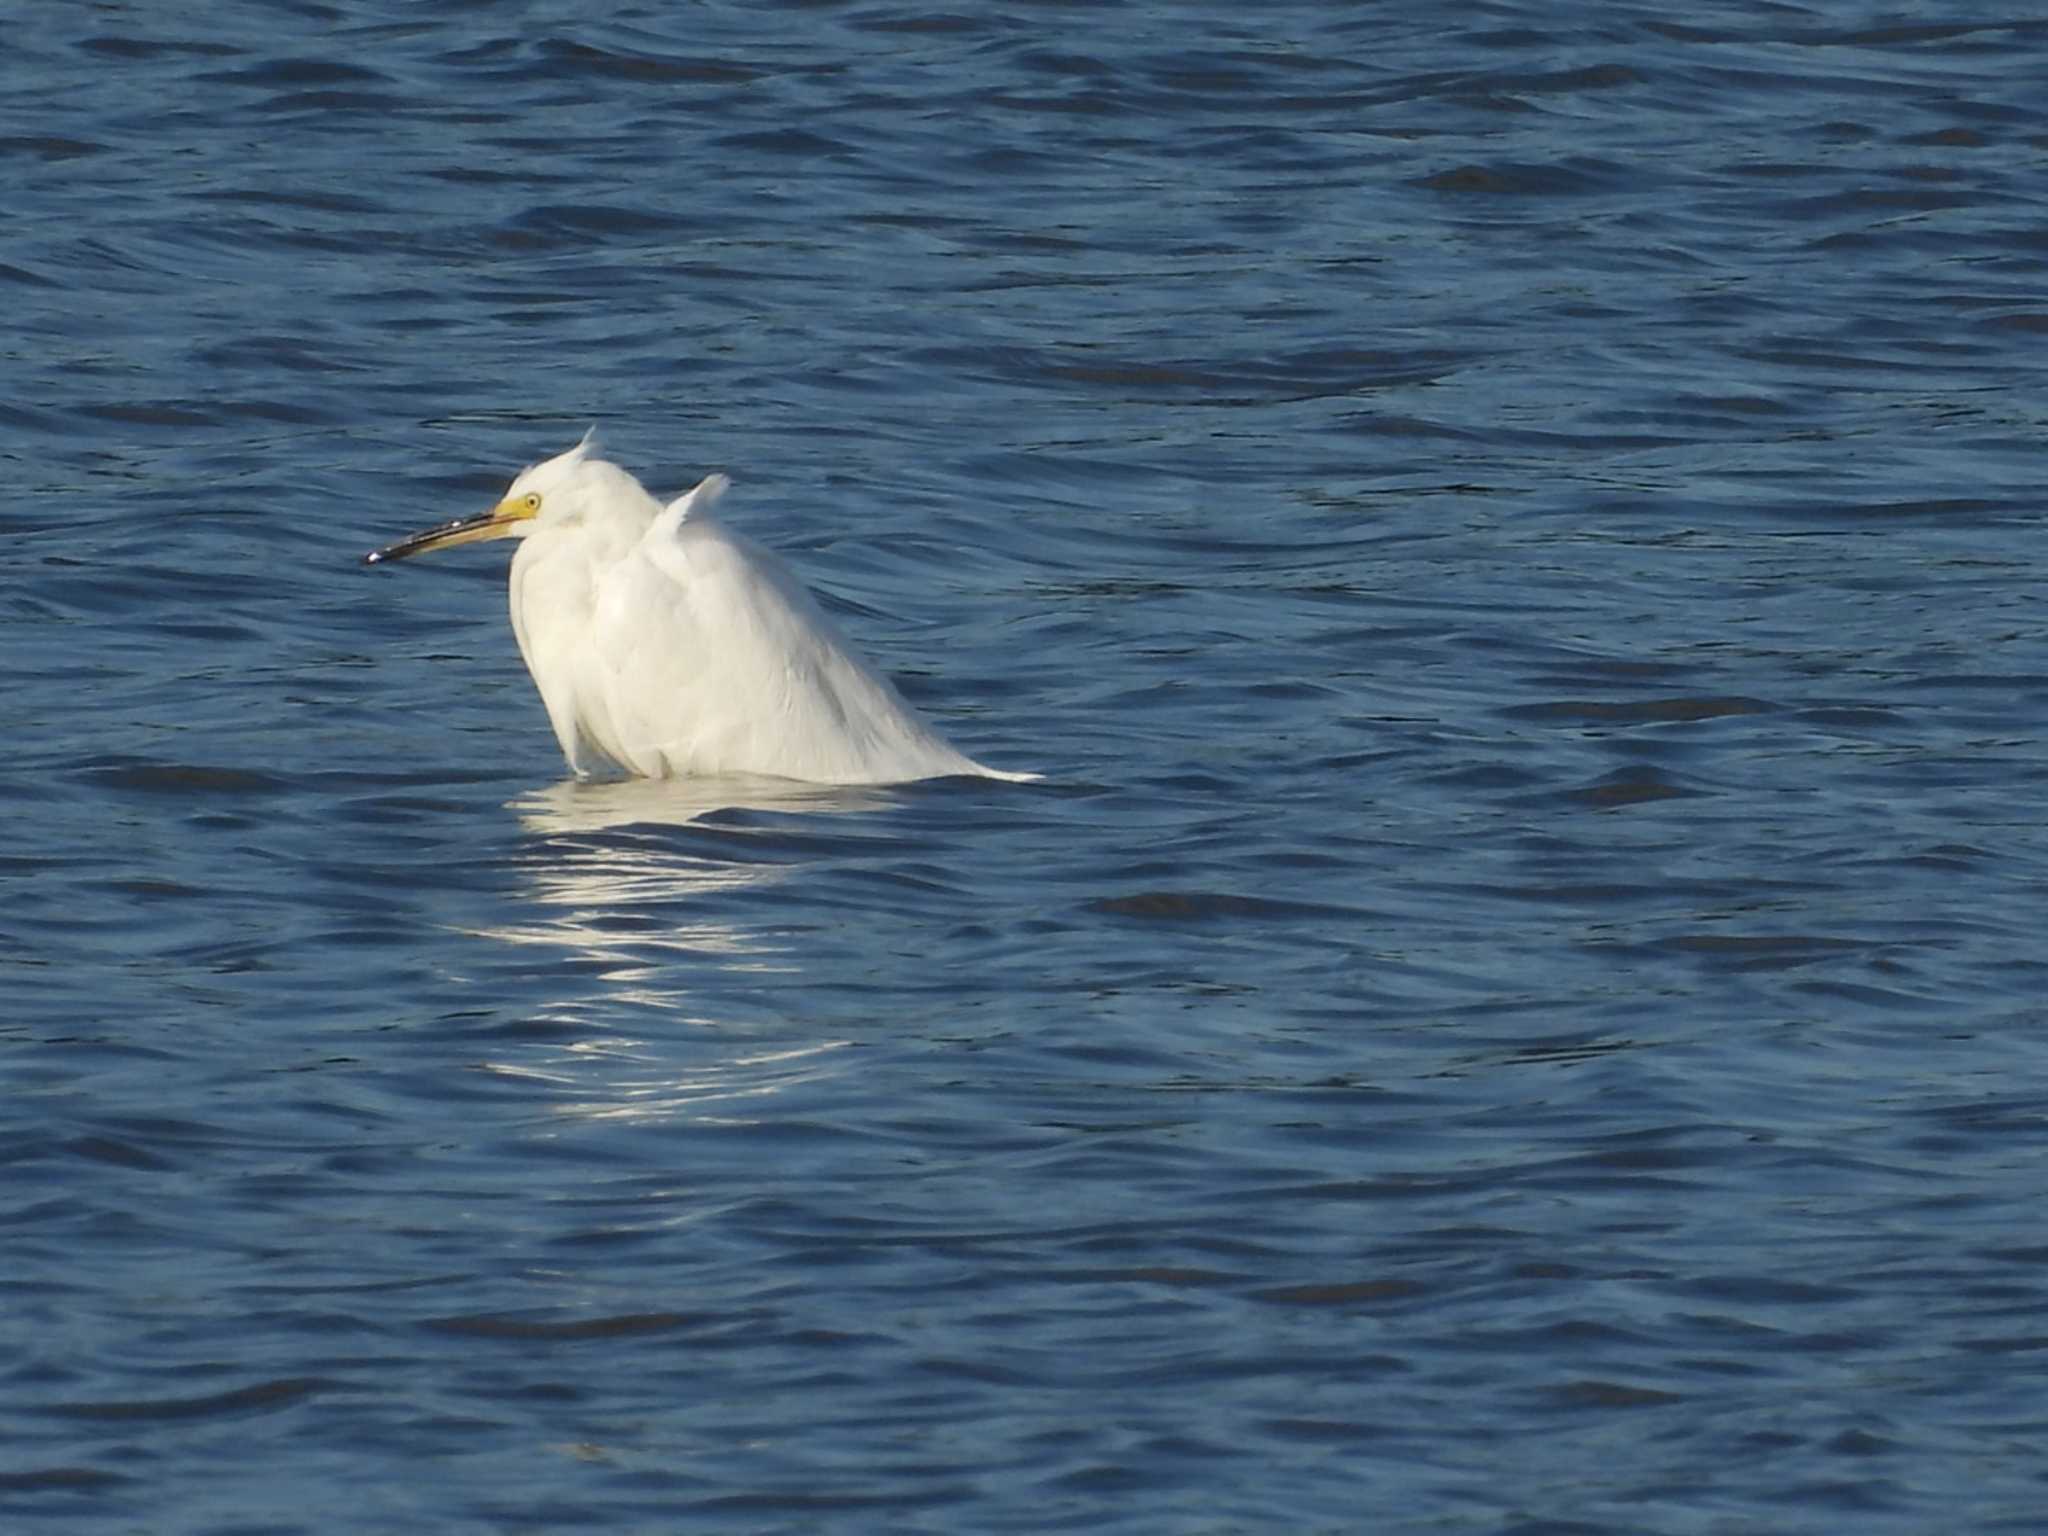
[(1513, 534)]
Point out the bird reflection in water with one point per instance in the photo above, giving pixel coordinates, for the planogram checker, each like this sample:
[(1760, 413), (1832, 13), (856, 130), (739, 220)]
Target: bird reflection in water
[(615, 891), (574, 806)]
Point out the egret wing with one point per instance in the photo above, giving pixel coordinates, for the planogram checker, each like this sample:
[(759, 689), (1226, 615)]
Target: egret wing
[(718, 661)]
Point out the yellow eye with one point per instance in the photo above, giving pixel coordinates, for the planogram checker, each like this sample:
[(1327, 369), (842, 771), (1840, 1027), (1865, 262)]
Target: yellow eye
[(533, 501)]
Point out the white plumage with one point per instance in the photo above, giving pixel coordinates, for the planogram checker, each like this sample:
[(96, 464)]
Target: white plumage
[(665, 644)]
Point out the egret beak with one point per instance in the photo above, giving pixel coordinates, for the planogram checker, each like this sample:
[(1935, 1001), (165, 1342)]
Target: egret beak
[(502, 520)]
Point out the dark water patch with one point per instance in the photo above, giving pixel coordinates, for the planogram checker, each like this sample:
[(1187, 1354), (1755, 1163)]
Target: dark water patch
[(1573, 178), (63, 1479), (571, 59), (1353, 1293), (13, 274), (1590, 1393), (47, 148), (1867, 996), (1850, 716), (1202, 906), (554, 222), (328, 104), (126, 46), (921, 23), (1638, 712), (141, 414), (1947, 138), (1762, 951), (1161, 1275), (119, 1154), (1569, 1050), (243, 1402), (632, 1325), (1953, 510), (796, 143), (1631, 786), (2020, 322), (1770, 1292), (323, 201), (1622, 895), (274, 73), (181, 779)]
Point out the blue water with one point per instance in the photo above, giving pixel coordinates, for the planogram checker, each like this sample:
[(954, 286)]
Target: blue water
[(1514, 534)]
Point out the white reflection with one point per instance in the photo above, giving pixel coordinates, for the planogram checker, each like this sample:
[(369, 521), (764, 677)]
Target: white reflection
[(637, 911), (714, 1090), (596, 896), (576, 806)]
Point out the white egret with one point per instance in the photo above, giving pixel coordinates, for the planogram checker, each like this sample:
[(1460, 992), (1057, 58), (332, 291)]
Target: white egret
[(666, 645)]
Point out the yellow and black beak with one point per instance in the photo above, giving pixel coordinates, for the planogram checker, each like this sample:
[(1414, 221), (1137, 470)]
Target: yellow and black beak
[(500, 521)]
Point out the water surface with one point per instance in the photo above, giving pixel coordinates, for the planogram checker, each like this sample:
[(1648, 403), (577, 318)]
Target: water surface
[(1512, 535)]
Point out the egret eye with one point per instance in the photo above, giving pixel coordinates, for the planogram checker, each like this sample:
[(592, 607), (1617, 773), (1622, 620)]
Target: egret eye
[(533, 501)]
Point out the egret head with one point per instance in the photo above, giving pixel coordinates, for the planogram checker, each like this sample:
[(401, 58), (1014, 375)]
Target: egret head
[(553, 491)]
